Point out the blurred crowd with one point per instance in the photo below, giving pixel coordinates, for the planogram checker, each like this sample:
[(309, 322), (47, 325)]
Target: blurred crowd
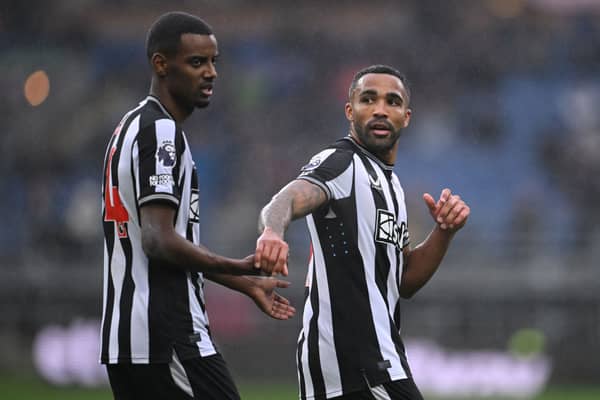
[(505, 96)]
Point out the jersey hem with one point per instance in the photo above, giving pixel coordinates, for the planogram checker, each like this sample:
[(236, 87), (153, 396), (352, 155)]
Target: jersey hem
[(340, 392), (155, 360)]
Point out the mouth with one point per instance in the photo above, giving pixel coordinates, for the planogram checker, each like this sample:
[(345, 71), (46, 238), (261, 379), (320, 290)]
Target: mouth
[(380, 128), (206, 89)]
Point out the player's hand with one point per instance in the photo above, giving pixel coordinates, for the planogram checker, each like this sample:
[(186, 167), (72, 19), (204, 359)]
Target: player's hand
[(268, 300), (271, 254), (247, 265), (450, 212)]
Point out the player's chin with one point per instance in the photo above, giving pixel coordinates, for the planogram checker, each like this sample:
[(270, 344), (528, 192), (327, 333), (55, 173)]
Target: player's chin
[(202, 103)]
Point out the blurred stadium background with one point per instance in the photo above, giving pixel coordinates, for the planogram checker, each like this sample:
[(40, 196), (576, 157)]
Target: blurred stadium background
[(505, 111)]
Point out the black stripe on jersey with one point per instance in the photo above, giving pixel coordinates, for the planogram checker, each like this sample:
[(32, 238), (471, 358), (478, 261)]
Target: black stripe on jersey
[(395, 322), (146, 141), (109, 234), (106, 158), (349, 296), (159, 304), (197, 290), (126, 304), (383, 265), (396, 332), (189, 233), (382, 262), (300, 369), (314, 359), (179, 149), (170, 319), (398, 274)]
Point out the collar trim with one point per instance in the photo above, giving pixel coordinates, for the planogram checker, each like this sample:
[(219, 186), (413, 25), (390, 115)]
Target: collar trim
[(385, 166)]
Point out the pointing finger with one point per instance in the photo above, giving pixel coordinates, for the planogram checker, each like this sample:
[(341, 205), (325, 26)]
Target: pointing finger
[(430, 202)]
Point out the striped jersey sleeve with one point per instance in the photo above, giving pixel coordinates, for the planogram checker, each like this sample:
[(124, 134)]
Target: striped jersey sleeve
[(157, 155), (332, 170)]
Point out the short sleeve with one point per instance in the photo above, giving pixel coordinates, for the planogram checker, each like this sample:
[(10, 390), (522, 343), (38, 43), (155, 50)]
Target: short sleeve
[(332, 170), (157, 156)]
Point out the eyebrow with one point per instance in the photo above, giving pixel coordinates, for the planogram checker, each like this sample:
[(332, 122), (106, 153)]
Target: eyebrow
[(202, 57), (387, 95), (368, 91)]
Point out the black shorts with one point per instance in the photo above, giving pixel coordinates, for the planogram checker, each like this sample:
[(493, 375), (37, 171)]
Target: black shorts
[(403, 389), (197, 378)]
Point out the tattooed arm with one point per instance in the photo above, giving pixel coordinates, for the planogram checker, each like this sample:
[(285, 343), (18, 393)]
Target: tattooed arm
[(297, 199)]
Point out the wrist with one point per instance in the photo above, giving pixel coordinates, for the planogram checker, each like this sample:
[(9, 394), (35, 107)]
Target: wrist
[(270, 230), (444, 232)]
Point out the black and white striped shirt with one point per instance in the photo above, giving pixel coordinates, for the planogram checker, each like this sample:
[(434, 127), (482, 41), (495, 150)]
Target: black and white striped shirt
[(150, 309), (350, 334)]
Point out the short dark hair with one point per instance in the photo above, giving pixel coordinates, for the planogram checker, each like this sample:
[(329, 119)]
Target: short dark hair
[(165, 33), (379, 69)]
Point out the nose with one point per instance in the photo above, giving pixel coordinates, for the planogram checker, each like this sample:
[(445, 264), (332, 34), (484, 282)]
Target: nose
[(380, 109), (210, 72)]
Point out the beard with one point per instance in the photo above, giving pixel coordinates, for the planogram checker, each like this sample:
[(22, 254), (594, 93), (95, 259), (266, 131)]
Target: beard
[(375, 144), (202, 103)]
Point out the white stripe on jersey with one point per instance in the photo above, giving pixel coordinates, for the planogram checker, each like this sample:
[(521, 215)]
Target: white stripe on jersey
[(380, 393), (341, 186), (140, 347), (104, 286), (165, 133), (117, 276), (198, 320), (125, 190), (392, 280), (366, 245), (179, 376), (307, 315), (327, 353)]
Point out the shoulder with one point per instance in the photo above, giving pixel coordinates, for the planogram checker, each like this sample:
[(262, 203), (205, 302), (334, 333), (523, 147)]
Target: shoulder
[(338, 155)]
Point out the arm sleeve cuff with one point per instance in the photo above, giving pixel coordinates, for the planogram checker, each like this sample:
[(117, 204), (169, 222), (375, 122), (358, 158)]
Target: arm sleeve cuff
[(319, 184), (159, 197)]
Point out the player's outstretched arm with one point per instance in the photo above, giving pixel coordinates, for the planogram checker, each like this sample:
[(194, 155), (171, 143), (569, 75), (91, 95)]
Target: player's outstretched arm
[(160, 241), (450, 213), (262, 291), (297, 199)]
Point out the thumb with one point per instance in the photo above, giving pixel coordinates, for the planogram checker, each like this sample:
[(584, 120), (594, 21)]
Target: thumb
[(282, 284), (430, 202)]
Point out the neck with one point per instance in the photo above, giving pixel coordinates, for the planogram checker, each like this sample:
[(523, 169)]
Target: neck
[(178, 112), (387, 155)]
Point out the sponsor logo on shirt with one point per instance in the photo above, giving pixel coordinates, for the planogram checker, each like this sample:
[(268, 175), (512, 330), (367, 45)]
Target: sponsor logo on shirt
[(388, 231)]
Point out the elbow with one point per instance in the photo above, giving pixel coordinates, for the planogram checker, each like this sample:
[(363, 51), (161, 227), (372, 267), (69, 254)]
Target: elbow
[(150, 245), (408, 288), (407, 293), (153, 245)]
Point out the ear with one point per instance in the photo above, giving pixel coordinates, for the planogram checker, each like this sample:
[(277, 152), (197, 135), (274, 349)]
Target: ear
[(159, 64), (408, 115), (349, 112)]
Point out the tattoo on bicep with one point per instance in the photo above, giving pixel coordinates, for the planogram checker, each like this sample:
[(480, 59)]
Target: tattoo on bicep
[(307, 199)]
